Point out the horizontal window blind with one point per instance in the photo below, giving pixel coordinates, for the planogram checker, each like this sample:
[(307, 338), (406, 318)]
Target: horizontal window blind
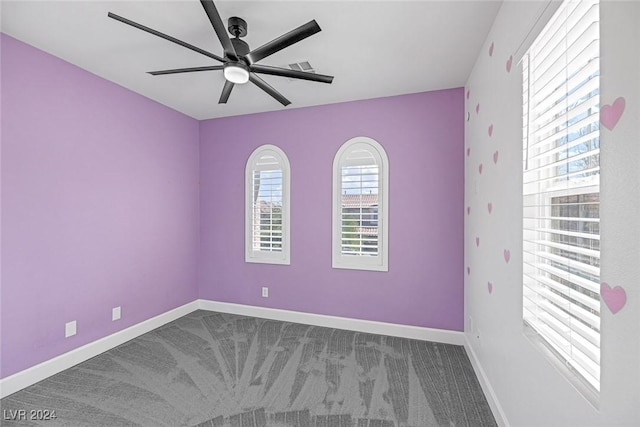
[(360, 206), (561, 156), (359, 214), (267, 204)]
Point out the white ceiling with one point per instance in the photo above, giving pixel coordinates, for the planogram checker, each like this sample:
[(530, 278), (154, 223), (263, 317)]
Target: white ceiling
[(373, 48)]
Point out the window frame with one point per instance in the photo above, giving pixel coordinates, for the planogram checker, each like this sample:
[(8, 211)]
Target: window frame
[(282, 257), (339, 260)]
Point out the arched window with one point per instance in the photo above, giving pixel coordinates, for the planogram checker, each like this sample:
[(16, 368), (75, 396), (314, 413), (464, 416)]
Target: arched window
[(267, 180), (360, 206)]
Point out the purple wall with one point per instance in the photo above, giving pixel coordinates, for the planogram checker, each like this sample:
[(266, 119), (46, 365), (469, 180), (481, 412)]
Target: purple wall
[(423, 135), (99, 206)]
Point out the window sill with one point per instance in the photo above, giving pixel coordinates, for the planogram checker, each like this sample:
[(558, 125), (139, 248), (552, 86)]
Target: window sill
[(591, 395), (268, 261), (354, 266)]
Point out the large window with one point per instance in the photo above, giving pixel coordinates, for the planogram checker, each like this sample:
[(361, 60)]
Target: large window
[(267, 206), (360, 206), (561, 187)]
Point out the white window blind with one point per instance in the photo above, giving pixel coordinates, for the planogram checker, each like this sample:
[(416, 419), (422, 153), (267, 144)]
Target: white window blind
[(561, 234), (360, 205), (360, 185), (267, 206)]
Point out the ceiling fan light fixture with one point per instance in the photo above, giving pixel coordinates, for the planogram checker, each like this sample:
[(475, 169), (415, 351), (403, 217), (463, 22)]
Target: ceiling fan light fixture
[(236, 72)]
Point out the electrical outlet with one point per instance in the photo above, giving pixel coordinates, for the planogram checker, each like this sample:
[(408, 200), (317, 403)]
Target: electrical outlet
[(70, 329), (470, 330), (116, 313), (265, 292)]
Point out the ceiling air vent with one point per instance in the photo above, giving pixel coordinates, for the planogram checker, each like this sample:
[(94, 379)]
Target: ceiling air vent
[(302, 66)]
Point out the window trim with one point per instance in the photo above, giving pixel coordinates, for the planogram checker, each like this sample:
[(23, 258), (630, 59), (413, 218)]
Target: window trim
[(283, 257), (355, 262)]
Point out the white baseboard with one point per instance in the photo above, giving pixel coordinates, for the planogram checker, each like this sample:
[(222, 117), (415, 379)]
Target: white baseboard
[(367, 326), (492, 398), (30, 376)]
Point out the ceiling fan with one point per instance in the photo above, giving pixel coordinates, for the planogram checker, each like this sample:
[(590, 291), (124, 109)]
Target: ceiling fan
[(239, 62)]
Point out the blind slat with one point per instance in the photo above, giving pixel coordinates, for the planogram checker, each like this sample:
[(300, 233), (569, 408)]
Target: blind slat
[(564, 329), (577, 265), (567, 312), (590, 285), (567, 233), (576, 56), (555, 149), (573, 128), (566, 247), (582, 83), (563, 218), (563, 162)]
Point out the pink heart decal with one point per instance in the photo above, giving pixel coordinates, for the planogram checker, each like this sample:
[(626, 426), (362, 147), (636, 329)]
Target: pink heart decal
[(468, 151), (507, 255), (468, 93), (615, 298), (509, 62), (610, 114), (477, 108), (468, 271), (477, 241), (468, 210), (480, 168), (490, 130), (491, 49), (490, 287), (495, 157), (489, 207)]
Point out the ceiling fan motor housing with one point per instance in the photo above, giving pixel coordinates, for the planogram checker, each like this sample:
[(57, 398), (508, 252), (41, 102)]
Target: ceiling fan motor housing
[(240, 46)]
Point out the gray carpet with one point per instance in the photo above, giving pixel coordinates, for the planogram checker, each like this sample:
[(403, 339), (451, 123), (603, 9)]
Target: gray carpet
[(222, 370)]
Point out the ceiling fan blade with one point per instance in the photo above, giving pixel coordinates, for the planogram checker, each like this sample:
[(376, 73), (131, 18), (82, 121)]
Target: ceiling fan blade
[(294, 74), (267, 88), (164, 36), (285, 40), (226, 91), (186, 70), (220, 28)]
